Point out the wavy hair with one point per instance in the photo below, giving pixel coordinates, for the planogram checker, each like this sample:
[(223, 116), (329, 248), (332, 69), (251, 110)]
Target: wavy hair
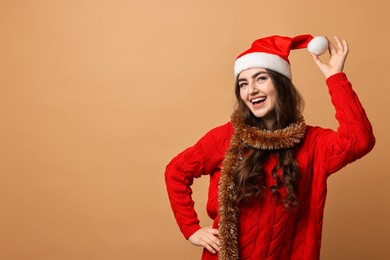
[(250, 179)]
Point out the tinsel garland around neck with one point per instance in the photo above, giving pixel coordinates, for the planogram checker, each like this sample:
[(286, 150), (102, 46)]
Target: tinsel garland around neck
[(243, 137), (268, 139)]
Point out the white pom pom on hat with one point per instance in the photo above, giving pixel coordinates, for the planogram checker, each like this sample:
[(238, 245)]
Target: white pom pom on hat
[(272, 52), (318, 45)]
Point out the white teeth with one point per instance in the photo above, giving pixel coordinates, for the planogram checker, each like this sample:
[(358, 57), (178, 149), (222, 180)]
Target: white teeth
[(260, 99)]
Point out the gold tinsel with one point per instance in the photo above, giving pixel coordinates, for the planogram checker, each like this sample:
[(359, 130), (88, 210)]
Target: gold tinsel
[(243, 137)]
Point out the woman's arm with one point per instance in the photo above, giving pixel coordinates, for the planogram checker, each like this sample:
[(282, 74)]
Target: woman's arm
[(354, 137), (201, 159)]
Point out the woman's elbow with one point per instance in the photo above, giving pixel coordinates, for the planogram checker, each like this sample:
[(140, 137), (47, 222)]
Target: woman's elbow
[(365, 145)]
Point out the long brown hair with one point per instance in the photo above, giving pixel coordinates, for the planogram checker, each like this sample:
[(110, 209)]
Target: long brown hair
[(251, 180)]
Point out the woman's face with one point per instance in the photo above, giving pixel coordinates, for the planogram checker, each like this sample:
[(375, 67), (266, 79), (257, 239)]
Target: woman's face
[(258, 92)]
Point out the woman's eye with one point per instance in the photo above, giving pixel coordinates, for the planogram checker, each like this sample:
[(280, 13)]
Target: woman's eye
[(261, 78), (243, 85)]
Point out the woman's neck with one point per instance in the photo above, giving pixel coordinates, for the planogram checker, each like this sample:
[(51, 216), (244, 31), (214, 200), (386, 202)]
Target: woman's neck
[(269, 123)]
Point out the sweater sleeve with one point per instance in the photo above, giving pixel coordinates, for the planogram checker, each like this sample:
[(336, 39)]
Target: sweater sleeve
[(354, 137), (201, 159)]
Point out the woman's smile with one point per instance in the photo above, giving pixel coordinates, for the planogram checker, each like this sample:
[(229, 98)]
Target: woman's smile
[(258, 101)]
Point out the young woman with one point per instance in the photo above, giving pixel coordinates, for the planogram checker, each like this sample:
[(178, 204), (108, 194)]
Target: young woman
[(267, 168)]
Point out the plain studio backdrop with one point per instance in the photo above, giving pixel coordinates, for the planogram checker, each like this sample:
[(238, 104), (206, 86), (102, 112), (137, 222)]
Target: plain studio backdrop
[(96, 97)]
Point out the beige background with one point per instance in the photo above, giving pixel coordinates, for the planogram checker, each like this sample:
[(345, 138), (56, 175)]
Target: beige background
[(97, 96)]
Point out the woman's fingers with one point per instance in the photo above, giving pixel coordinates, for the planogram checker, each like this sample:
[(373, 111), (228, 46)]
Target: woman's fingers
[(211, 244), (332, 48), (211, 240), (346, 47), (338, 54), (340, 47), (206, 237), (213, 231)]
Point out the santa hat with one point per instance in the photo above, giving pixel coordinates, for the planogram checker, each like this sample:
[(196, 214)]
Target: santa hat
[(272, 52)]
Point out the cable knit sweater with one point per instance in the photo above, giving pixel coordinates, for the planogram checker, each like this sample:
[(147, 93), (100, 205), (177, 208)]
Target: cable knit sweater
[(266, 229)]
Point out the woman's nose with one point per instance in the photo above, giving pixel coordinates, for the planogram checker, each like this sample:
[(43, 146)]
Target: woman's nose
[(253, 89)]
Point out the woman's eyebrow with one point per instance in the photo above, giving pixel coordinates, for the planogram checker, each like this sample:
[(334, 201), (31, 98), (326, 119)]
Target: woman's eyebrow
[(253, 76)]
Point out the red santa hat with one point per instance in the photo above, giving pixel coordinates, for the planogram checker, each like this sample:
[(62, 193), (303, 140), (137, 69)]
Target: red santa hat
[(272, 52)]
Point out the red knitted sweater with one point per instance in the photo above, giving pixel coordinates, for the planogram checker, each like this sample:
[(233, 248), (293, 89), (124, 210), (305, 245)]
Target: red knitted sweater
[(267, 230)]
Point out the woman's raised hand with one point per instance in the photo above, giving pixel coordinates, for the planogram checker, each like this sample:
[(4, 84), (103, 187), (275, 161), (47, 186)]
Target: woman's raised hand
[(206, 237), (338, 55)]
